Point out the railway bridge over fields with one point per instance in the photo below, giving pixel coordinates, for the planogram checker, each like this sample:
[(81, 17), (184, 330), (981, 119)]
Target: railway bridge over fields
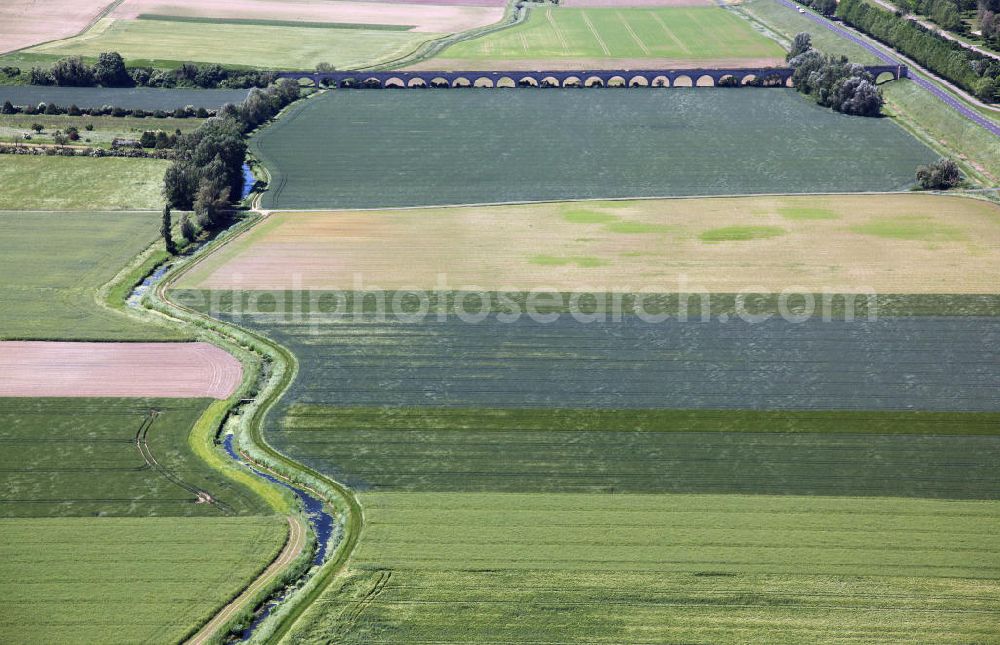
[(716, 77)]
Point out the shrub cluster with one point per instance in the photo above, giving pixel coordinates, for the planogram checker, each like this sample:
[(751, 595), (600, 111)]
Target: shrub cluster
[(186, 112), (940, 175), (969, 70), (834, 81), (207, 173), (111, 71)]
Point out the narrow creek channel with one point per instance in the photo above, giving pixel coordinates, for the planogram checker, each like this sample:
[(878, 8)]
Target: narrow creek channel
[(323, 523)]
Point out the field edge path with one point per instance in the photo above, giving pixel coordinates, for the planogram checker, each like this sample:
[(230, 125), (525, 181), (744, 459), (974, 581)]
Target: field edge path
[(294, 544)]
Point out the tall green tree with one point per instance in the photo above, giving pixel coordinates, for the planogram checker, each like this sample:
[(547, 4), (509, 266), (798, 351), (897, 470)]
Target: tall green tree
[(166, 226), (110, 70)]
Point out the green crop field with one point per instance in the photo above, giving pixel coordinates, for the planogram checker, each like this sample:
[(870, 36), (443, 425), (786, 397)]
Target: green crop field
[(165, 42), (125, 580), (80, 183), (53, 266), (337, 150), (901, 454), (78, 457), (598, 37), (550, 481), (468, 567)]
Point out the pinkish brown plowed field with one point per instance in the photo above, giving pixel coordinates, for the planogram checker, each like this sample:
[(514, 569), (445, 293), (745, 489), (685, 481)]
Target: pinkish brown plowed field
[(30, 22), (439, 17), (117, 370)]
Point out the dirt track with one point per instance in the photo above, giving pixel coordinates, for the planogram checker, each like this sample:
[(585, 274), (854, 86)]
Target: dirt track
[(294, 545)]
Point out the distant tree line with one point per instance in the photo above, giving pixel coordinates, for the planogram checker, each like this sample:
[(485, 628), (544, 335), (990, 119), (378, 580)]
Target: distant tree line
[(969, 70), (207, 173), (833, 81), (110, 70), (187, 112)]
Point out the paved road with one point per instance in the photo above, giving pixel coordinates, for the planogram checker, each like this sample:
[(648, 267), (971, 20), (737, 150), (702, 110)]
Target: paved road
[(920, 79)]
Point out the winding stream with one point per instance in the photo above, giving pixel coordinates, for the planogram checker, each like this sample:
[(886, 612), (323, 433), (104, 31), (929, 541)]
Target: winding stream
[(323, 523)]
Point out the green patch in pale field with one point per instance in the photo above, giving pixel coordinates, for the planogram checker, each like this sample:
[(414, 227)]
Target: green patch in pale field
[(741, 233), (910, 227)]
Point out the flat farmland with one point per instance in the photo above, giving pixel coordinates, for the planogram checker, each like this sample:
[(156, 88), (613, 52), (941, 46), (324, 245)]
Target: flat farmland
[(437, 17), (33, 369), (573, 38), (125, 580), (929, 363), (80, 458), (81, 183), (904, 244), (165, 43), (902, 454), (53, 266), (450, 568), (357, 149)]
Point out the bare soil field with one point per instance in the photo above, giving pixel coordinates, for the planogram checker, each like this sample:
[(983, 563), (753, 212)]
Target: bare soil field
[(29, 22), (901, 243), (432, 18), (117, 370)]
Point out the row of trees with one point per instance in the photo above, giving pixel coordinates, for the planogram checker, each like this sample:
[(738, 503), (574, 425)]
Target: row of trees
[(207, 172), (110, 70), (106, 110), (972, 71), (833, 81)]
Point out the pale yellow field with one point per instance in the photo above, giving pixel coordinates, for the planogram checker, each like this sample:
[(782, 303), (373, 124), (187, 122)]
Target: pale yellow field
[(897, 243)]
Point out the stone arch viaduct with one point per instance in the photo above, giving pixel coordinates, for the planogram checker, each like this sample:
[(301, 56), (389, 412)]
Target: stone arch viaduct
[(716, 77)]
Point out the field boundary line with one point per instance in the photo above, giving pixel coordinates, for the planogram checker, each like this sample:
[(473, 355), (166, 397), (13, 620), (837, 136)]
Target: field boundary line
[(334, 209), (431, 48)]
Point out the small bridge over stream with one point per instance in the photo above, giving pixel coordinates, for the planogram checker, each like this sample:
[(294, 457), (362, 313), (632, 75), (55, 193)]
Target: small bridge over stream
[(718, 77)]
